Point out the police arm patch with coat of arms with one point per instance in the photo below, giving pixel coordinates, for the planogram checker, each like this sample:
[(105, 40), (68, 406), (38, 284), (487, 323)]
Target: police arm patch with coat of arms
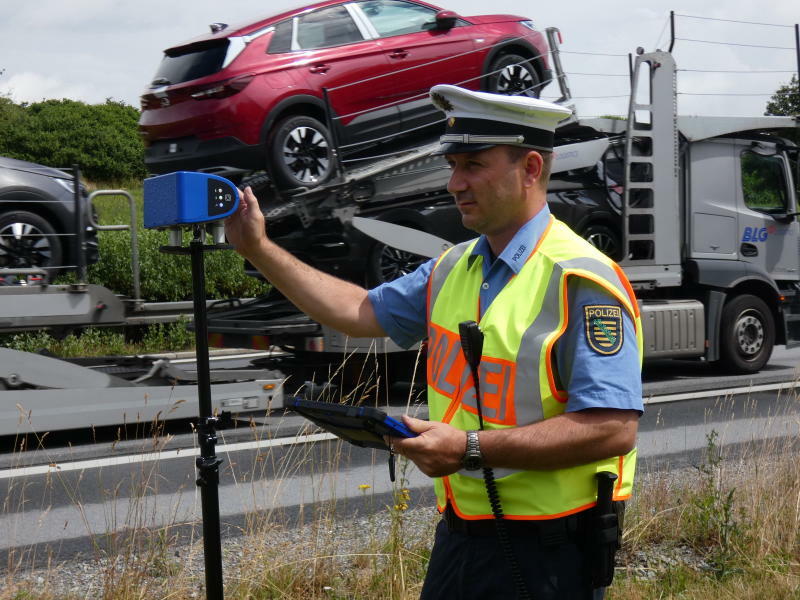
[(603, 324)]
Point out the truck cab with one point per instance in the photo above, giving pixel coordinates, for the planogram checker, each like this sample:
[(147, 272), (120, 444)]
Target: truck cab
[(742, 200), (709, 223)]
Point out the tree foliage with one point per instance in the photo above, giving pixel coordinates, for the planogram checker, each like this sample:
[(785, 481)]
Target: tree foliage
[(101, 138), (785, 100)]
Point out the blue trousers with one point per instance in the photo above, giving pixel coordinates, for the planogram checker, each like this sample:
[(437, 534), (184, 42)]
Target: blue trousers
[(468, 567)]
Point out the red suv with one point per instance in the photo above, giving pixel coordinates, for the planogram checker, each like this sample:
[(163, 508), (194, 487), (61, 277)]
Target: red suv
[(255, 96)]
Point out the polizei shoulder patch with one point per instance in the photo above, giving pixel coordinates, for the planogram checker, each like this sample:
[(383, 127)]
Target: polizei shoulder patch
[(603, 328)]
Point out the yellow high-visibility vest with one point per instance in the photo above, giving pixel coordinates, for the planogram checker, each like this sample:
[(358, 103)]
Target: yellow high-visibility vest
[(516, 377)]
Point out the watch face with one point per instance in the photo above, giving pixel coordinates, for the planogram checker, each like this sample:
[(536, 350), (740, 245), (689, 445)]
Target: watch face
[(472, 462)]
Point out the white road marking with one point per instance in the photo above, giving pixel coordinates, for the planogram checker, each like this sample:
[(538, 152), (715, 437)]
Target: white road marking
[(767, 387)]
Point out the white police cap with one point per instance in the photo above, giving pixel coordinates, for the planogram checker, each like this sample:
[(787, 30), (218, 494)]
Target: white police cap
[(479, 120)]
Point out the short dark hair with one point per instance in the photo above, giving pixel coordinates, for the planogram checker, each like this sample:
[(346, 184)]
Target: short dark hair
[(517, 153)]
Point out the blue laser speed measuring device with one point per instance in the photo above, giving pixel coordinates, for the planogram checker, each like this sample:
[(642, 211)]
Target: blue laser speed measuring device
[(186, 198)]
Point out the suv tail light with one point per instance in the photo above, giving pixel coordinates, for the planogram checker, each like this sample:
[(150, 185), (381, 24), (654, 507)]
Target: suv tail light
[(223, 89)]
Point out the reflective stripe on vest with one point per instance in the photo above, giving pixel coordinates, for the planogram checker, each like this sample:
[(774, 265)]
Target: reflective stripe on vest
[(518, 386)]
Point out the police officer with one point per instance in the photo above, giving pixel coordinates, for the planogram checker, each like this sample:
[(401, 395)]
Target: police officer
[(560, 367)]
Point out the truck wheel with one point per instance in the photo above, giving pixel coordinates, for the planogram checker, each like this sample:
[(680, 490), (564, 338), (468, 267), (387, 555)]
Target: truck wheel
[(28, 241), (513, 75), (604, 239), (747, 335), (300, 153), (386, 263)]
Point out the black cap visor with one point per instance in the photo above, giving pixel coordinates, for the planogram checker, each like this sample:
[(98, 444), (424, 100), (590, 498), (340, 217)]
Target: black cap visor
[(468, 133)]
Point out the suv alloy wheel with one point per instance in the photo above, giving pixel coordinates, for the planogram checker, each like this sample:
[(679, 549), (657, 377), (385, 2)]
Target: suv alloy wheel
[(514, 75), (28, 241), (300, 153)]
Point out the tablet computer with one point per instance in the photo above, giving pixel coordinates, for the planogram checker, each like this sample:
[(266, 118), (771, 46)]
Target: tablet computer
[(363, 426)]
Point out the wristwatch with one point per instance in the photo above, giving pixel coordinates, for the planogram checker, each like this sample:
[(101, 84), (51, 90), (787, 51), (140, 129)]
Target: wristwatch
[(472, 459)]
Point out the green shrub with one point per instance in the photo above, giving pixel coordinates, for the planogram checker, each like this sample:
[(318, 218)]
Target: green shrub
[(94, 341), (167, 337), (164, 277), (168, 277), (101, 138)]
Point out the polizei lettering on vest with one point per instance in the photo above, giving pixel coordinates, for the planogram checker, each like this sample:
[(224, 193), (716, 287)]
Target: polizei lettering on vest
[(449, 375), (446, 363), (497, 391)]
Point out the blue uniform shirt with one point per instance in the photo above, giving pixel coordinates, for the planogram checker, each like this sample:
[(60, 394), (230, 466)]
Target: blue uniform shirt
[(592, 380)]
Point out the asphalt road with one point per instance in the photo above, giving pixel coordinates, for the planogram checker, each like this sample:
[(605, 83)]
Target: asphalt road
[(67, 499)]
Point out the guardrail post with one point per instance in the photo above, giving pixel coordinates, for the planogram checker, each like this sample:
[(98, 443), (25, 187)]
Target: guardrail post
[(133, 226)]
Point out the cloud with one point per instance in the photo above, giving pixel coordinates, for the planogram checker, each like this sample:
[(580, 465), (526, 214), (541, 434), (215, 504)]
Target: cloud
[(33, 87)]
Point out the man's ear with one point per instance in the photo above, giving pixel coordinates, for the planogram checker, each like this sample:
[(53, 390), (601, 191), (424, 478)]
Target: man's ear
[(533, 168)]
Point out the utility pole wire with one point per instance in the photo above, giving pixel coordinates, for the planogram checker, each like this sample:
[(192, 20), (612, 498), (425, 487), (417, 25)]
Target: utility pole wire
[(731, 21), (734, 44)]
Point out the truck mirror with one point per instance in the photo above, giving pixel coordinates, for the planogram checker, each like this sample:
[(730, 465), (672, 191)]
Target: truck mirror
[(785, 217)]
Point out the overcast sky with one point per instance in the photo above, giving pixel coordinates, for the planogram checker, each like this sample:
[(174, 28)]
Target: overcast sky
[(96, 49)]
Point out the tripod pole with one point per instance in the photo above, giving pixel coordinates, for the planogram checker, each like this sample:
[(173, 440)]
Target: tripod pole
[(207, 463)]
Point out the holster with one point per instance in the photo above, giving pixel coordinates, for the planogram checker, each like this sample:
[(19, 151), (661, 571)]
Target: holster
[(605, 532)]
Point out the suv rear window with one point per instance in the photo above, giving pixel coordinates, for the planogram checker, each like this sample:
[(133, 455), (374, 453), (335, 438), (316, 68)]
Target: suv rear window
[(191, 62)]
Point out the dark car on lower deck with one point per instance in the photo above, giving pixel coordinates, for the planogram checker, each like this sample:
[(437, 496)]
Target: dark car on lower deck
[(37, 219), (587, 199)]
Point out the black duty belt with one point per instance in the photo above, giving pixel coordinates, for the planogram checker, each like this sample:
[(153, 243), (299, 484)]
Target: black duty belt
[(548, 532)]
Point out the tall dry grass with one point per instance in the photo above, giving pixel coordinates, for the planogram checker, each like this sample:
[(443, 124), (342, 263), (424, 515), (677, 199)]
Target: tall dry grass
[(274, 555), (728, 527)]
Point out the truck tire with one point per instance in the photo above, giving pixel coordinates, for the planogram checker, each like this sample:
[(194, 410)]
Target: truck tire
[(300, 153), (387, 263), (29, 241), (747, 335), (605, 239), (513, 75)]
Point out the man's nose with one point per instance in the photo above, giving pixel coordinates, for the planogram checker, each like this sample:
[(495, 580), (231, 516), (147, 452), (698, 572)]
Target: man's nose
[(456, 183)]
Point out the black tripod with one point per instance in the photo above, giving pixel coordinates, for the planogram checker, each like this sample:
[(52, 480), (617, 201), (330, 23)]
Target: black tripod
[(208, 462)]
